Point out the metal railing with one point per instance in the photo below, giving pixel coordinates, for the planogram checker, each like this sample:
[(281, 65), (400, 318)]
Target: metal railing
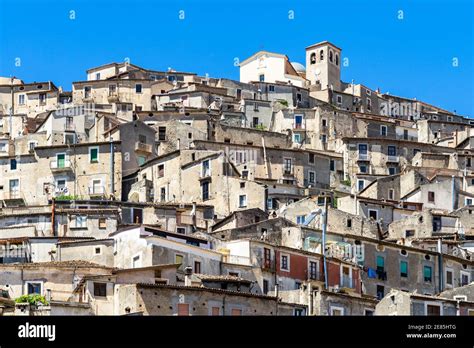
[(65, 164), (391, 158), (96, 190), (363, 156), (347, 282), (139, 146)]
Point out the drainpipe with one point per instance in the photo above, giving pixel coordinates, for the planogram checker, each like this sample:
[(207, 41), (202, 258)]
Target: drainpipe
[(440, 265), (325, 222), (112, 160), (310, 299), (453, 186), (53, 226)]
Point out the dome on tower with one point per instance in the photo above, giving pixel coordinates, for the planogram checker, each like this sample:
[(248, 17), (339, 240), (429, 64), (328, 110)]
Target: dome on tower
[(298, 67)]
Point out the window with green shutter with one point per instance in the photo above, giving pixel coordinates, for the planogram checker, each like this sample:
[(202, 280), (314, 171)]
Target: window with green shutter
[(94, 155), (427, 273), (403, 269), (380, 263)]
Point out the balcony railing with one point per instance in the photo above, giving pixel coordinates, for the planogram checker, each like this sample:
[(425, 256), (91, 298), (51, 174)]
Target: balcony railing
[(269, 265), (60, 165), (316, 276), (97, 190), (363, 157), (139, 146), (347, 282), (394, 159), (113, 97), (70, 127), (298, 126)]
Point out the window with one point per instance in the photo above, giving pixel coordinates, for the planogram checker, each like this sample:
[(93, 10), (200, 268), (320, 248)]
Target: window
[(239, 93), (332, 165), (255, 122), (380, 263), (383, 131), (34, 287), (337, 59), (298, 121), (312, 177), (178, 259), (112, 90), (161, 133), (265, 286), (102, 223), (312, 58), (380, 292), (97, 250), (360, 184), (205, 190), (427, 273), (324, 138), (403, 269), (42, 98), (339, 100), (391, 194), (321, 55), (87, 91), (97, 76), (300, 219), (21, 99), (465, 278), (369, 105), (449, 277), (373, 214), (261, 78), (271, 88), (93, 154), (311, 158), (368, 312), (206, 168), (337, 311), (100, 289), (138, 88), (431, 196), (298, 312), (284, 263), (349, 223), (81, 221), (287, 165), (313, 270), (161, 170), (436, 223), (242, 201), (392, 170), (392, 150), (197, 267), (162, 194), (433, 309), (13, 164), (362, 168), (297, 138), (330, 56)]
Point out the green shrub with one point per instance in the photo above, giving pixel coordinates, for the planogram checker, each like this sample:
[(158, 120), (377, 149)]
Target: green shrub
[(32, 299)]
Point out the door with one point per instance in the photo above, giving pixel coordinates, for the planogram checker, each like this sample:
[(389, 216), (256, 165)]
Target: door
[(14, 188), (61, 159), (183, 309)]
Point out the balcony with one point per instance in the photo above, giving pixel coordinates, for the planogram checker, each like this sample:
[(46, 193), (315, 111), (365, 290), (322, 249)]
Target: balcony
[(347, 282), (269, 265), (97, 191), (60, 166), (142, 147), (316, 277), (298, 126), (13, 198), (363, 157), (393, 159)]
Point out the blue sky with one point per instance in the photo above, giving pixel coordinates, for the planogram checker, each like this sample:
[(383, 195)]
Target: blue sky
[(412, 57)]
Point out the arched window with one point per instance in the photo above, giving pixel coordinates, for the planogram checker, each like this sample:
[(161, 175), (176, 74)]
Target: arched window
[(330, 56), (312, 58), (321, 55), (337, 59)]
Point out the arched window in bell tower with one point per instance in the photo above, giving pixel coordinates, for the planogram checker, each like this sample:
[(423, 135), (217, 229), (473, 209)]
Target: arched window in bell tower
[(321, 55), (312, 58), (337, 59), (330, 56)]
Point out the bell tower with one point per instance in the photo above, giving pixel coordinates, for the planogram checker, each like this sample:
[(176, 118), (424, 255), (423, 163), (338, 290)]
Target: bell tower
[(323, 65)]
